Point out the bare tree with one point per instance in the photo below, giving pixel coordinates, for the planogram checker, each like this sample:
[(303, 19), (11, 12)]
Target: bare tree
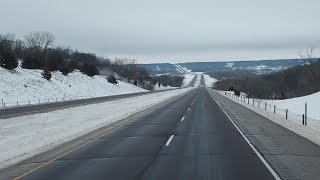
[(7, 57), (309, 59), (6, 43), (38, 43)]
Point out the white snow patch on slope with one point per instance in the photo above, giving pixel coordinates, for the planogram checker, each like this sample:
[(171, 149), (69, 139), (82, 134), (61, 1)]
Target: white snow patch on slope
[(230, 65), (157, 88), (181, 69), (187, 79), (23, 85), (209, 81), (197, 84), (26, 136)]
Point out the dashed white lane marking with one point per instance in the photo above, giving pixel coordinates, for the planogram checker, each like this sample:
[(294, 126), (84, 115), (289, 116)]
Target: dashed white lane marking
[(188, 109), (182, 118), (275, 175), (169, 140)]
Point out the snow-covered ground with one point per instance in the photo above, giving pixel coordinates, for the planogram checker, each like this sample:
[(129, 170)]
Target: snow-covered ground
[(209, 80), (197, 84), (187, 79), (310, 132), (295, 106), (23, 85), (25, 136), (181, 69), (157, 88)]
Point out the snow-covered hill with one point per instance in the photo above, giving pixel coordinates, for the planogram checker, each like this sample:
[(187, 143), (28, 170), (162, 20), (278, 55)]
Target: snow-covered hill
[(181, 69), (209, 81), (24, 85)]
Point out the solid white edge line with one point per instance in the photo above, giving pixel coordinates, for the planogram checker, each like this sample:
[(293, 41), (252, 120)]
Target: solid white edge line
[(169, 140), (275, 175), (182, 118)]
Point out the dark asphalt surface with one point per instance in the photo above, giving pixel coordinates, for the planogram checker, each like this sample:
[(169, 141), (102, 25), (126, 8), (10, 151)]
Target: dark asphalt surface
[(202, 81), (205, 146)]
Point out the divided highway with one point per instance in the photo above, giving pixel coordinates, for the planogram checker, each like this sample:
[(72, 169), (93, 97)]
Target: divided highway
[(39, 108), (188, 138)]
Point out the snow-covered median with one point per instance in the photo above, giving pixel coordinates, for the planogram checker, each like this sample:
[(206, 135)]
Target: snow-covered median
[(26, 136)]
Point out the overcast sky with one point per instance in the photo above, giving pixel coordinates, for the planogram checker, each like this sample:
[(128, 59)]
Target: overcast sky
[(172, 30)]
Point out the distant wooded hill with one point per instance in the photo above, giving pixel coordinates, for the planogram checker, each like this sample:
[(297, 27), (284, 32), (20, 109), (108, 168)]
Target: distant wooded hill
[(260, 66)]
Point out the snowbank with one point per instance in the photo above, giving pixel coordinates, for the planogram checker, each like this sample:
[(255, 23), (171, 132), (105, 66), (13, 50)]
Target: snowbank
[(297, 104), (25, 136), (294, 105), (23, 85), (209, 80), (157, 88)]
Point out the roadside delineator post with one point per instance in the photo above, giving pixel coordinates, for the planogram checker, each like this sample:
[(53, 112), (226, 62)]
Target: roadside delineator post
[(286, 113), (305, 112), (265, 106), (274, 109), (302, 119)]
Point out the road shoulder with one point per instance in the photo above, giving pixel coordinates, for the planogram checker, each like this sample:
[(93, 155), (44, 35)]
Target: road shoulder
[(292, 156)]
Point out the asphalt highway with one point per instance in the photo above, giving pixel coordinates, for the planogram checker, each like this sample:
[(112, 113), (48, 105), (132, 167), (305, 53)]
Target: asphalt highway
[(188, 138), (202, 81), (193, 81)]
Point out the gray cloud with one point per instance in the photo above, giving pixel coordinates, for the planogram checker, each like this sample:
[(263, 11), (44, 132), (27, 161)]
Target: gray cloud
[(171, 30)]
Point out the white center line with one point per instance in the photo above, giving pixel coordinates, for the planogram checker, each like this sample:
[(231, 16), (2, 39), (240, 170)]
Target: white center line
[(169, 140), (182, 118), (188, 109)]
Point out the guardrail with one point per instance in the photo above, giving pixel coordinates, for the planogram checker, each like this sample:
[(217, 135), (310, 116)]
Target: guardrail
[(304, 119), (6, 104)]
